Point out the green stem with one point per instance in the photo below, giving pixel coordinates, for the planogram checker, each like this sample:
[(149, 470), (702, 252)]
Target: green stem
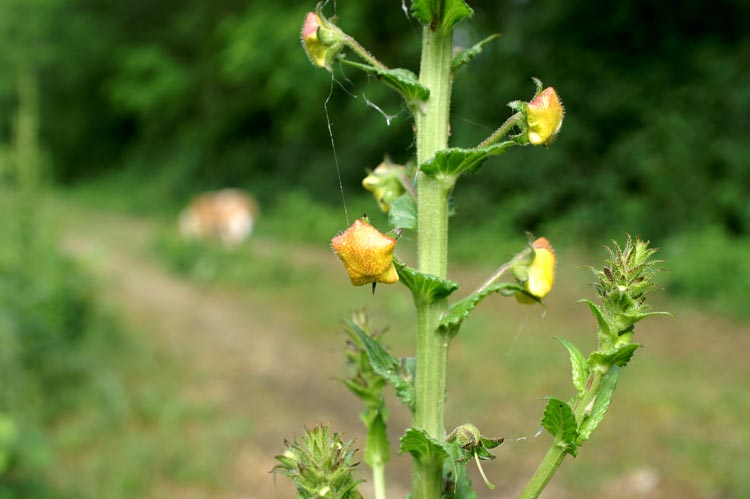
[(432, 208), (500, 132), (544, 472), (556, 453), (378, 480)]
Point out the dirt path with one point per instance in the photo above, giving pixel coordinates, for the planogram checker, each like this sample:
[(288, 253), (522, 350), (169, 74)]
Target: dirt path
[(245, 357)]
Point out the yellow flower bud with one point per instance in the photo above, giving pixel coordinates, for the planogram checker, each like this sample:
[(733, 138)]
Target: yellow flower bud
[(367, 254), (385, 183), (315, 49), (544, 117), (541, 272)]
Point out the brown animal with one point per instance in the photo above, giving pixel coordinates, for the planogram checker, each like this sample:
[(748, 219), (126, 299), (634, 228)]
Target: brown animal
[(228, 215)]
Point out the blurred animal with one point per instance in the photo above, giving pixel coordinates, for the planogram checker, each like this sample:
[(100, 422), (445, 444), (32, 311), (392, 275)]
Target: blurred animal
[(228, 215)]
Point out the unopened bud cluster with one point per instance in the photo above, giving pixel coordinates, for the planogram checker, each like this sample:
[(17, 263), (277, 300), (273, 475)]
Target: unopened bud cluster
[(623, 283), (321, 465)]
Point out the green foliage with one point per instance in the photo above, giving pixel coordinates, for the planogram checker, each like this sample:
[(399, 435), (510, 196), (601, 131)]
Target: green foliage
[(403, 213), (580, 370), (460, 310), (423, 447), (465, 56), (559, 420), (452, 163), (387, 366), (599, 406), (403, 81), (424, 287)]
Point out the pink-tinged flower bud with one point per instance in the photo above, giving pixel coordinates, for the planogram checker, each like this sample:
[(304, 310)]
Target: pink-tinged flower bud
[(541, 272), (314, 48), (544, 117), (367, 254)]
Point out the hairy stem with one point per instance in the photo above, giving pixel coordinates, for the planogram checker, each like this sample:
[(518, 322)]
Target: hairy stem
[(500, 132), (432, 207), (556, 453)]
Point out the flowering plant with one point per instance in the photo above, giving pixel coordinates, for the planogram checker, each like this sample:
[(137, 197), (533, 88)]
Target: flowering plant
[(419, 201)]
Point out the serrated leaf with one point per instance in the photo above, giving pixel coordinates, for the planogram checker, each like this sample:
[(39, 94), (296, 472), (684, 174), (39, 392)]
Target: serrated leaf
[(387, 366), (422, 446), (619, 357), (455, 11), (560, 421), (377, 450), (578, 364), (460, 310), (601, 320), (402, 80), (600, 405), (403, 212), (466, 55), (456, 161), (425, 288)]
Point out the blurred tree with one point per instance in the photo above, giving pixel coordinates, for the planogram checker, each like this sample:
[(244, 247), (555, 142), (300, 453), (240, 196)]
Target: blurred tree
[(197, 94)]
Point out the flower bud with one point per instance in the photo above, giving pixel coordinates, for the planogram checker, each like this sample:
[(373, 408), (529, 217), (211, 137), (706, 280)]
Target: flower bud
[(544, 117), (320, 40), (367, 254), (540, 272), (385, 183)]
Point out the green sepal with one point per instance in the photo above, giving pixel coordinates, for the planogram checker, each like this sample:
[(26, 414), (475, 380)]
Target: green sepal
[(377, 449), (465, 56), (456, 161), (578, 364), (426, 288), (388, 366), (423, 447), (451, 322), (619, 357), (402, 80), (600, 405), (403, 212), (560, 421)]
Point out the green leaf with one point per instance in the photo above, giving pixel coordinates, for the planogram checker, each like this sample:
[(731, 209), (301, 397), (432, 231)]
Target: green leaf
[(458, 482), (560, 421), (455, 161), (403, 212), (402, 80), (460, 310), (578, 364), (600, 405), (466, 55), (422, 446), (427, 11), (601, 320), (619, 357), (377, 450), (455, 11), (387, 366), (426, 288)]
